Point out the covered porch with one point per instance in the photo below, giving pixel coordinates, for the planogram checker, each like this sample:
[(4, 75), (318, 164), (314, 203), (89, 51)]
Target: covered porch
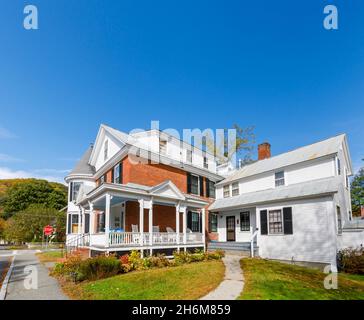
[(122, 218)]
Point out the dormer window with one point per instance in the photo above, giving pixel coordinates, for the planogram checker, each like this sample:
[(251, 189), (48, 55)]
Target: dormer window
[(279, 178), (163, 147), (205, 163), (189, 156), (106, 150)]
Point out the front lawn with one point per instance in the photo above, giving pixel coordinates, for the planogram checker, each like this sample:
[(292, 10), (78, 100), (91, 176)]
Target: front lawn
[(50, 256), (271, 280), (185, 282)]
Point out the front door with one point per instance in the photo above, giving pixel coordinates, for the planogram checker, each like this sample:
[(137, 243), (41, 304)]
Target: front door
[(230, 228)]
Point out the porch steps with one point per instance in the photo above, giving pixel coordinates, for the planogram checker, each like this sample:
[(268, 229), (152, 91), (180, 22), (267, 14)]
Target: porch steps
[(235, 248)]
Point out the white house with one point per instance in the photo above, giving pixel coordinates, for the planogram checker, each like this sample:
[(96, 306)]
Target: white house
[(297, 204)]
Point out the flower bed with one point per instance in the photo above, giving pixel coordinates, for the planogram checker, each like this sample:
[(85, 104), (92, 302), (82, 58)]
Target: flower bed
[(77, 269)]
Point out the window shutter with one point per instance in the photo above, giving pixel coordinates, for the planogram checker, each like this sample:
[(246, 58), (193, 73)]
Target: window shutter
[(188, 183), (201, 187), (287, 219), (263, 222), (207, 188), (189, 220)]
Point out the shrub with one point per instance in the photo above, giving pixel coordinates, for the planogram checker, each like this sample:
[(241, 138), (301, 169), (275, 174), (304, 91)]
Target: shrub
[(215, 255), (181, 257), (159, 261), (135, 261), (98, 268), (69, 265), (124, 259), (351, 260)]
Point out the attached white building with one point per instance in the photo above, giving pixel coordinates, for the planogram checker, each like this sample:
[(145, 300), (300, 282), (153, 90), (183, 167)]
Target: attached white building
[(297, 204)]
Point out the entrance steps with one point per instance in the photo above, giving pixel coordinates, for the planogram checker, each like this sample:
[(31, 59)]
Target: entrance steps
[(234, 248)]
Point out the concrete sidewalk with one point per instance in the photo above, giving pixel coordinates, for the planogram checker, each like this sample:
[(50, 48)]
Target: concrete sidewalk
[(233, 284), (48, 287)]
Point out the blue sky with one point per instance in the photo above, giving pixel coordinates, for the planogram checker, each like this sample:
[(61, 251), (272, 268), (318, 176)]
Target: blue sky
[(188, 64)]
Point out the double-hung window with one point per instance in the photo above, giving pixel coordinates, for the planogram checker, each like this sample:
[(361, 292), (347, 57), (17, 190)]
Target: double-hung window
[(213, 222), (74, 190), (205, 162), (211, 189), (117, 173), (195, 226), (195, 184), (235, 189), (227, 191), (245, 221), (73, 223), (275, 222), (279, 178), (162, 147)]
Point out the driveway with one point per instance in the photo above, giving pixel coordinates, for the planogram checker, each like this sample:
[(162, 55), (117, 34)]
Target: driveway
[(26, 266)]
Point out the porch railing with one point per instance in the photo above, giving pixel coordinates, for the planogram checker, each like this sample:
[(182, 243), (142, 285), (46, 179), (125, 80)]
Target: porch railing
[(158, 238)]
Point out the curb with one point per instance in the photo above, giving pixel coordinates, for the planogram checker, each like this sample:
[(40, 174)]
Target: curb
[(4, 287)]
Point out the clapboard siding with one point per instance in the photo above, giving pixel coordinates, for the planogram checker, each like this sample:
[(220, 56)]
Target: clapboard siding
[(313, 238)]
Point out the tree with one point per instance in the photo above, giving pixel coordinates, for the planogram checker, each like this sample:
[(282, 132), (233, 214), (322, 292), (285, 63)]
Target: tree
[(21, 195), (357, 192), (27, 225), (2, 228), (244, 145)]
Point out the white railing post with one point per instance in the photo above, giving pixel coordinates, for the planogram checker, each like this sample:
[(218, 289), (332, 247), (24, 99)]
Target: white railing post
[(150, 219), (184, 211), (177, 222), (141, 220), (203, 217), (107, 218)]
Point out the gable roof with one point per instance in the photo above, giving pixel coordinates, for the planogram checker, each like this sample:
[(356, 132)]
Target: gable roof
[(308, 189), (83, 167), (306, 153)]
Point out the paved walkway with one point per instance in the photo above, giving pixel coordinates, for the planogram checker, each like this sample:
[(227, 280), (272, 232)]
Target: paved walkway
[(233, 283), (48, 287)]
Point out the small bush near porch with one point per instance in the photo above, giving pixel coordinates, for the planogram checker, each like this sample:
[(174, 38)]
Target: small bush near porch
[(271, 280), (184, 282)]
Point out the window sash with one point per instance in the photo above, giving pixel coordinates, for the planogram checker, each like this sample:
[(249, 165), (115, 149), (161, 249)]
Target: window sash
[(226, 191), (213, 222), (195, 185), (195, 227), (279, 179), (205, 163), (245, 221), (76, 186), (235, 189), (117, 173), (275, 221), (212, 191)]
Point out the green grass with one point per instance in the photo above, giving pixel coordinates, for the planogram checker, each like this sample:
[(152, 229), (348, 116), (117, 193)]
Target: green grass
[(186, 282), (271, 280), (50, 256)]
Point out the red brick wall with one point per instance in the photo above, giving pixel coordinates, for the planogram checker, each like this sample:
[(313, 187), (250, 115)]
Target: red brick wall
[(153, 174), (163, 216)]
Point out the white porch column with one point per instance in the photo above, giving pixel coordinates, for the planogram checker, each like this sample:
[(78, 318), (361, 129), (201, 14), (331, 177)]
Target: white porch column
[(177, 221), (150, 220), (141, 220), (79, 221), (203, 217), (107, 219), (184, 211), (83, 220), (92, 218)]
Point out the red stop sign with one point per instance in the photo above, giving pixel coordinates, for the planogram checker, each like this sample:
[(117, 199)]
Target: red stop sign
[(48, 230)]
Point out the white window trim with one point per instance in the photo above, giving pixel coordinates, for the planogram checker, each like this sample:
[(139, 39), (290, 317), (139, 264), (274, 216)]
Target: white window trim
[(198, 185), (232, 189), (223, 191), (275, 209)]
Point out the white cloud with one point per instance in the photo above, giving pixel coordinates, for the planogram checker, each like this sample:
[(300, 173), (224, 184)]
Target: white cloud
[(6, 134), (57, 176), (7, 158)]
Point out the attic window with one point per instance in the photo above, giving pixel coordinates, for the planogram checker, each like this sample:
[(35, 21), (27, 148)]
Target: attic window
[(106, 150)]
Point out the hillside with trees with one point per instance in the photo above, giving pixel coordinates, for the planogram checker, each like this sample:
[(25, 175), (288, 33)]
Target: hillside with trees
[(27, 205)]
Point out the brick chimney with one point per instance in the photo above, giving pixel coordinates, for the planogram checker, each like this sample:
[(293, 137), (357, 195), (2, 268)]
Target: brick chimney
[(263, 151)]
